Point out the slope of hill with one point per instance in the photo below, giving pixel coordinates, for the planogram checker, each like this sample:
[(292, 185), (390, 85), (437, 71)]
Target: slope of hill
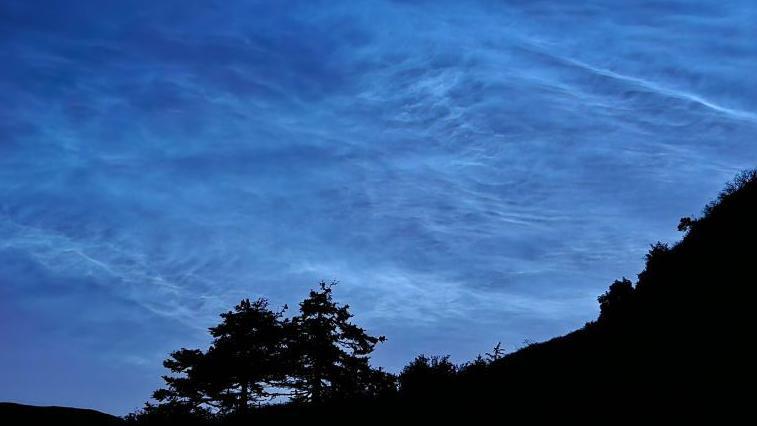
[(19, 414), (675, 341), (675, 344)]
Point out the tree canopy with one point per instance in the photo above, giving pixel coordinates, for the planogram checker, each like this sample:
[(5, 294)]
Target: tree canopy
[(258, 354), (331, 353)]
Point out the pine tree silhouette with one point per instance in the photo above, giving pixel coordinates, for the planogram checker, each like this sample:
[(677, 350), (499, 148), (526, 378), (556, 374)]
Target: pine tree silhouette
[(247, 357), (331, 352)]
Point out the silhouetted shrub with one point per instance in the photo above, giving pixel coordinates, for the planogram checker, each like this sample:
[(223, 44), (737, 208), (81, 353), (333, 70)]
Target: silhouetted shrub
[(617, 300), (425, 376)]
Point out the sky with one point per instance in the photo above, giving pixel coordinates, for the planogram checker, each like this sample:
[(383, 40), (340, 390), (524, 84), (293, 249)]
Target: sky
[(469, 171)]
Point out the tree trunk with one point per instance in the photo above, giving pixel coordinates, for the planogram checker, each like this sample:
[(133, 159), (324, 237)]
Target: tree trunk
[(315, 398), (244, 397)]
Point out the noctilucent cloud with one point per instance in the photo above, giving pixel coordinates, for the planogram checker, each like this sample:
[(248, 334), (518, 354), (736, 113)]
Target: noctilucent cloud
[(471, 172)]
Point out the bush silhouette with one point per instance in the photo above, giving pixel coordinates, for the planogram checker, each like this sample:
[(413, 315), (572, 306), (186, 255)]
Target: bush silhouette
[(425, 375)]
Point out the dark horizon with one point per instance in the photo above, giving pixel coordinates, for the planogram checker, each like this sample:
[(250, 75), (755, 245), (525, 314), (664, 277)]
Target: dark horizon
[(470, 172)]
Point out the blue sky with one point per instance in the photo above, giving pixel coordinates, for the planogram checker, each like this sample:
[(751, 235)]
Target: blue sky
[(469, 171)]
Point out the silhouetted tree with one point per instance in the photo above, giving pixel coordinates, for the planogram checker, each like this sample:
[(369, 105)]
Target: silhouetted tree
[(744, 182), (379, 383), (332, 354), (616, 300), (474, 369), (685, 224), (426, 375), (246, 359), (169, 414), (249, 353), (189, 388), (656, 251), (497, 352)]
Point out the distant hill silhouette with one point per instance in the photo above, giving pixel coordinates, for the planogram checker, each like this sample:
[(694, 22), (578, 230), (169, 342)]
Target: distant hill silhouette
[(18, 414)]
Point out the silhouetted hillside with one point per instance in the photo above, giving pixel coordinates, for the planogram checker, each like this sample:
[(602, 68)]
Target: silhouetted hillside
[(19, 414), (677, 340), (676, 344)]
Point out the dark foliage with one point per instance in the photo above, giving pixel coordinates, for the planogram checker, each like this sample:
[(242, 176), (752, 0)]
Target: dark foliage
[(617, 301), (331, 353), (316, 357), (246, 360), (427, 375)]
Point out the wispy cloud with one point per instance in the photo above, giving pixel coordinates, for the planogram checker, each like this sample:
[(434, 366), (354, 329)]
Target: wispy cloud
[(470, 171)]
